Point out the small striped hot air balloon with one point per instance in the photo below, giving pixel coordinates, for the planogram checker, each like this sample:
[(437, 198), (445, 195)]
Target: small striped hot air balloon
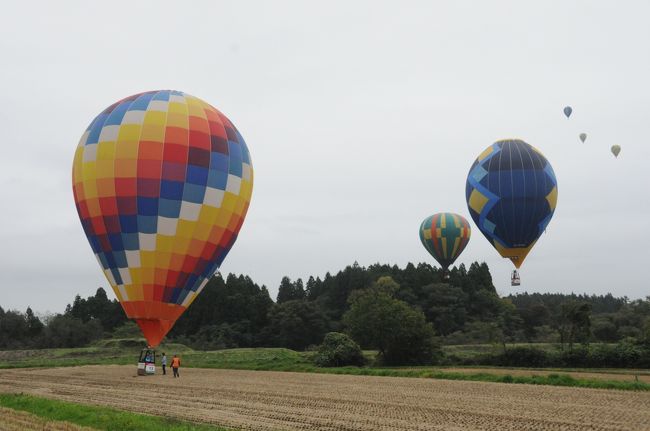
[(445, 236)]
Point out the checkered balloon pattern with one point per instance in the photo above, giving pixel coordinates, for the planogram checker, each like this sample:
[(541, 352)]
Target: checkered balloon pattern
[(162, 182), (445, 236), (511, 194)]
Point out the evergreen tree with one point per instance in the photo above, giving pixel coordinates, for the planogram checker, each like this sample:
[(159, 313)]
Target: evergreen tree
[(289, 291), (285, 291), (34, 325)]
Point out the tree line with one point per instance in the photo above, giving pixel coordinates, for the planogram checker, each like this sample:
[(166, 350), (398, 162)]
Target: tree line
[(462, 309)]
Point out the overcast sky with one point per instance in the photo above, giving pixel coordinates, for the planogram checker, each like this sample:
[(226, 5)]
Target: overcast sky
[(362, 118)]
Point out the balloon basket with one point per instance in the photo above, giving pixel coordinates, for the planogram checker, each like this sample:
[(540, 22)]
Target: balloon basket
[(147, 362)]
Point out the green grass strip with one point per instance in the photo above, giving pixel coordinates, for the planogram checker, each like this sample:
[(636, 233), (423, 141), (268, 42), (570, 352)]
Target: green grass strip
[(549, 379), (101, 418)]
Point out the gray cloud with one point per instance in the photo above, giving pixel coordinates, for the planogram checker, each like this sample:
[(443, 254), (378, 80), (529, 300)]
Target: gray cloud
[(362, 119)]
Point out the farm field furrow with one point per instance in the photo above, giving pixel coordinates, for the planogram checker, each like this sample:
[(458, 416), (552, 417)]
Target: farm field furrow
[(261, 400)]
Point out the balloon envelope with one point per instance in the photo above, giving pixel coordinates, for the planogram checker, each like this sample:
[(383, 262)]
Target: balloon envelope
[(162, 182), (567, 111), (445, 236), (616, 149), (583, 137), (511, 194)]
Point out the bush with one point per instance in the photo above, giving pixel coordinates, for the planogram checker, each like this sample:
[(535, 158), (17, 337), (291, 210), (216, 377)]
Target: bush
[(338, 350)]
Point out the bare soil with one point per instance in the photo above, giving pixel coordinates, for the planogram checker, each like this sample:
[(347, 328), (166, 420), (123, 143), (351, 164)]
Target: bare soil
[(261, 400)]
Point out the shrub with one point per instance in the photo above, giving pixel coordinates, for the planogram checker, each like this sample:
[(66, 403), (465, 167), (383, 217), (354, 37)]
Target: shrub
[(338, 350)]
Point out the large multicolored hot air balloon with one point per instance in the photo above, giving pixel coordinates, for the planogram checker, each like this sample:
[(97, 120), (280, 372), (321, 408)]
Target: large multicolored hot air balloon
[(511, 194), (162, 182), (445, 236)]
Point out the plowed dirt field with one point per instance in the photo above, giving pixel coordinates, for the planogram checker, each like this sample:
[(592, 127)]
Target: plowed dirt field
[(259, 400)]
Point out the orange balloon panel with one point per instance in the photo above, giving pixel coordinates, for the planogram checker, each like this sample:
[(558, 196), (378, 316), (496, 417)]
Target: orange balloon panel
[(162, 182)]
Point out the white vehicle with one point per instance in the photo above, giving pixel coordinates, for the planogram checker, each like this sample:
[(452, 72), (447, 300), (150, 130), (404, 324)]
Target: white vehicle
[(147, 362)]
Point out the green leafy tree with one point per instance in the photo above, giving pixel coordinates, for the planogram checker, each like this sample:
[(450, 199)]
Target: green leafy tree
[(13, 330), (645, 334), (377, 320), (533, 316), (295, 324), (604, 329), (371, 320), (445, 306), (508, 322), (67, 331), (574, 323)]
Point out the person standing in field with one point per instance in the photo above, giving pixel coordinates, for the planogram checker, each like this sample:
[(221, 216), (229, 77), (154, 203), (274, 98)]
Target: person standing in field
[(163, 362), (176, 363)]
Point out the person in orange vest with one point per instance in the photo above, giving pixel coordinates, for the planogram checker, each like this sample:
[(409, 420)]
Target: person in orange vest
[(176, 363)]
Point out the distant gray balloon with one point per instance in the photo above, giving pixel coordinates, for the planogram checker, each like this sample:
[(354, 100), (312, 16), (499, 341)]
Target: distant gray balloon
[(583, 137), (615, 150), (567, 111)]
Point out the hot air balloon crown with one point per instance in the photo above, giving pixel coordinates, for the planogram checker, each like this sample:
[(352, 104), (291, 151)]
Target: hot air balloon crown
[(511, 194), (162, 182)]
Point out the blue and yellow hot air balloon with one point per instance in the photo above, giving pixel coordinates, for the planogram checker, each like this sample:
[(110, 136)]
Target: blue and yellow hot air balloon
[(511, 193), (445, 236)]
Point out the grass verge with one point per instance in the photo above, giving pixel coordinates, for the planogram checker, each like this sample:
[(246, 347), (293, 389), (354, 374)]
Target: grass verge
[(288, 360), (101, 418), (549, 379)]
